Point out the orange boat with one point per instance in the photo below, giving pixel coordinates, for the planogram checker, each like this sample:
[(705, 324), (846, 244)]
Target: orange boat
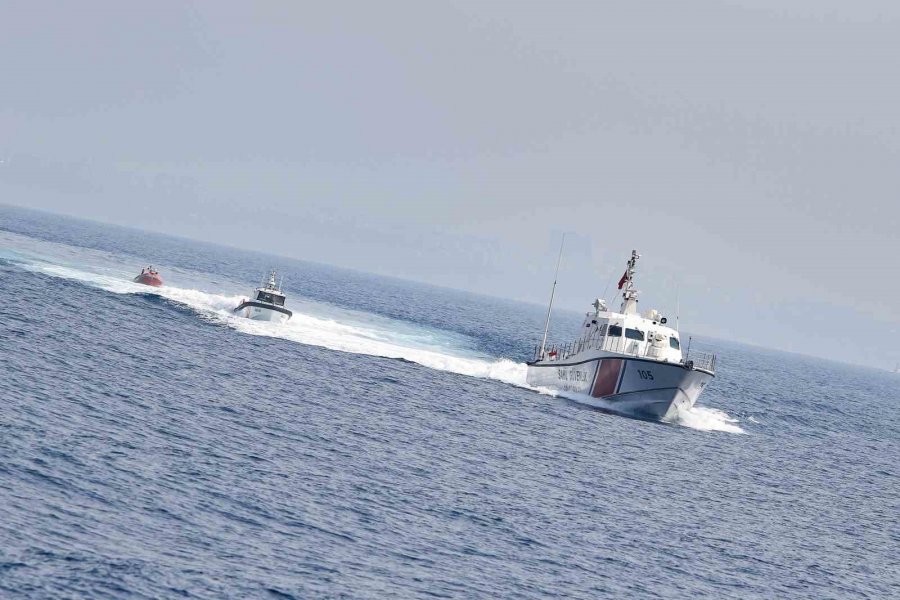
[(149, 276)]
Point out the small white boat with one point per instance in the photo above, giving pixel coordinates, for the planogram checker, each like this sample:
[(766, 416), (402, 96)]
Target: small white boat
[(267, 304), (632, 362)]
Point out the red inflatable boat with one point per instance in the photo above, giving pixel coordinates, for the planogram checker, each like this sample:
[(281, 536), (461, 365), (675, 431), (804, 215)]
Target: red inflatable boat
[(149, 276)]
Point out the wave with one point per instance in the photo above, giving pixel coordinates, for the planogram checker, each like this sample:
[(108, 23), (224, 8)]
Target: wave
[(706, 418), (702, 418)]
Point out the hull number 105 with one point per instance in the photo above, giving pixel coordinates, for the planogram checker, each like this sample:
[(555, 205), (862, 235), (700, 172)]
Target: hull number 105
[(645, 374)]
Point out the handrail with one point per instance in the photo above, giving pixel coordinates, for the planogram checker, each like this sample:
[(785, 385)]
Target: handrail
[(693, 359), (705, 361)]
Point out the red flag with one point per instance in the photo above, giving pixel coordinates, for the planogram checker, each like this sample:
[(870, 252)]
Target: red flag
[(623, 280)]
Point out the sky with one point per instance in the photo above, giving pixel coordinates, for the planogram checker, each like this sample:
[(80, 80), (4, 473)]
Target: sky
[(748, 149)]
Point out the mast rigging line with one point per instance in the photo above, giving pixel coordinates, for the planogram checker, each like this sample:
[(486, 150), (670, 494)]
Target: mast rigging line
[(552, 294)]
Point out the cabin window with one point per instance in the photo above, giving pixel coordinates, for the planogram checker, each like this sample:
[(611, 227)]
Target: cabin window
[(279, 300), (673, 342), (634, 334), (264, 297), (615, 331)]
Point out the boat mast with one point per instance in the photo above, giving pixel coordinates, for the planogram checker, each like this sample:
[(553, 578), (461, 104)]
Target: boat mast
[(629, 294), (552, 293)]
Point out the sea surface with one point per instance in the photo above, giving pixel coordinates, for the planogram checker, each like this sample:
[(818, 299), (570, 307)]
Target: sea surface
[(383, 444)]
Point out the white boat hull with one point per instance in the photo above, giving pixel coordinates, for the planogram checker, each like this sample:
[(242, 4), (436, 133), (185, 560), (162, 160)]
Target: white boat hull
[(260, 313), (631, 385)]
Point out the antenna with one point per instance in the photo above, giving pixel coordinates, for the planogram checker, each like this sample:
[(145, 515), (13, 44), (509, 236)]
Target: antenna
[(677, 306), (281, 284), (552, 293)]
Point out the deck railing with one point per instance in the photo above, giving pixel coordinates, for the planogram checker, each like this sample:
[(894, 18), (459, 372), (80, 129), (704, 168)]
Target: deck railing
[(705, 361), (692, 359), (619, 345)]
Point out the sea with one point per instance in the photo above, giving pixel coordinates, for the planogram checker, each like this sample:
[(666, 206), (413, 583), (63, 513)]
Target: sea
[(384, 444)]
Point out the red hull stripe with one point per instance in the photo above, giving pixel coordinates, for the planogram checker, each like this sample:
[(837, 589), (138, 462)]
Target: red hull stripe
[(607, 378)]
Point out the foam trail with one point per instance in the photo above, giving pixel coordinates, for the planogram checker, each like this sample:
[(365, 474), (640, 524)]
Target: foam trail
[(705, 418), (354, 332), (333, 328), (110, 283)]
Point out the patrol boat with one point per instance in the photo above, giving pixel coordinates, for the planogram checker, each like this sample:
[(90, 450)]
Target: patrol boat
[(632, 362), (267, 304)]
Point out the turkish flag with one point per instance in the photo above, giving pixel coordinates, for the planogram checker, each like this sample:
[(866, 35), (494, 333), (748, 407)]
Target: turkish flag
[(623, 280)]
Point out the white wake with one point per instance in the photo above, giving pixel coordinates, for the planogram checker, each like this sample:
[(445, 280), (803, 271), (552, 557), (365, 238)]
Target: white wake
[(340, 329), (328, 327), (705, 418), (702, 418)]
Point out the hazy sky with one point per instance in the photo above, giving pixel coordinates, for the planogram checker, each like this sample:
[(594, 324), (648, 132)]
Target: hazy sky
[(749, 149)]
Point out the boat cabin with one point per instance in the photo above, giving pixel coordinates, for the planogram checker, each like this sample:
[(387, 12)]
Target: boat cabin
[(631, 334), (626, 332), (270, 296)]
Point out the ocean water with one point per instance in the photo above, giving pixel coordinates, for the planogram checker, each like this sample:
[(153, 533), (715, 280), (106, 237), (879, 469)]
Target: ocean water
[(383, 443)]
